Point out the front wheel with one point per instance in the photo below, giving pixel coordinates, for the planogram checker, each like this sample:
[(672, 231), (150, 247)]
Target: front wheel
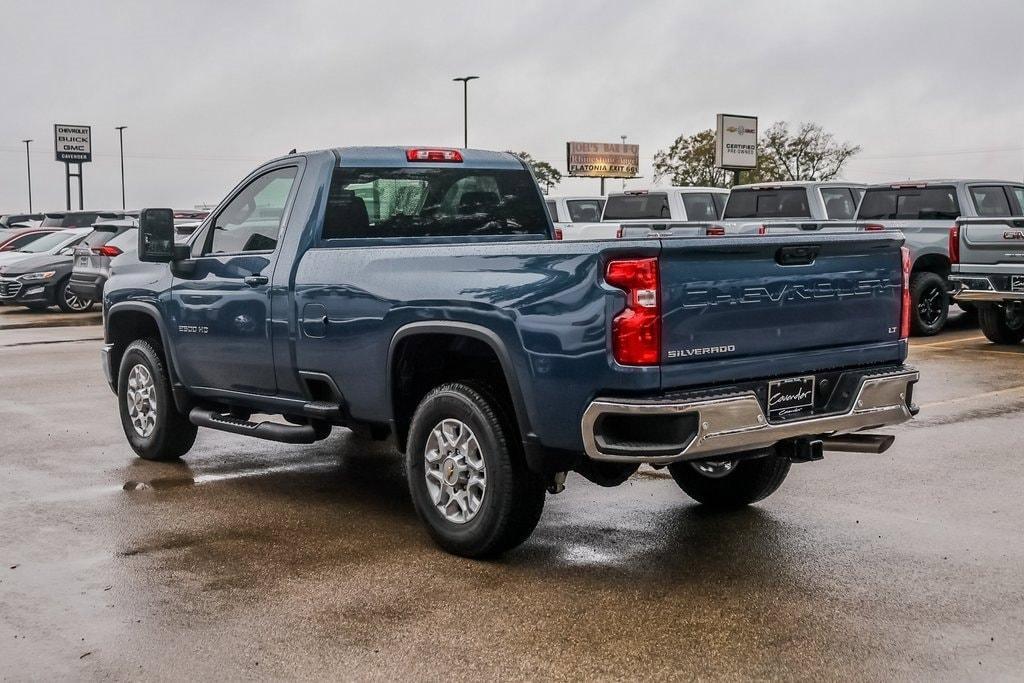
[(467, 475), (70, 302), (1002, 324), (152, 423), (731, 483), (929, 304)]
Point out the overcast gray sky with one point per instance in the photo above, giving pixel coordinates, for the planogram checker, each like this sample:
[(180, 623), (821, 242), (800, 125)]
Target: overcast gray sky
[(210, 89)]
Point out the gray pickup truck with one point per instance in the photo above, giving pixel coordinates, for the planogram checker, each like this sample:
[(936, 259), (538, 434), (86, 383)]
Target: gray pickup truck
[(987, 257), (925, 211)]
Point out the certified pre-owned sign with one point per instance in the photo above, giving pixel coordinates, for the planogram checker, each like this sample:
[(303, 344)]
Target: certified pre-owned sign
[(602, 160), (736, 142), (72, 143)]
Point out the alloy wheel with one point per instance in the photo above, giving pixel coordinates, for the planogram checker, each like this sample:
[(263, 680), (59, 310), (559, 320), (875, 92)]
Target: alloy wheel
[(454, 470), (929, 305), (75, 302), (141, 397)]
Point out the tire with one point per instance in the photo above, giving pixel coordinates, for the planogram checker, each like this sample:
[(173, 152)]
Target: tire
[(168, 435), (742, 483), (509, 504), (68, 301), (1000, 325), (929, 304)]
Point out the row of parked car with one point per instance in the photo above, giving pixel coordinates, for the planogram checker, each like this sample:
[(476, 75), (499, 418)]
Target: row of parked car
[(925, 211), (63, 259)]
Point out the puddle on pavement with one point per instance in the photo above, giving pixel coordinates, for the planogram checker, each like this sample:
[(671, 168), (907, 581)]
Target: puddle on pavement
[(164, 483)]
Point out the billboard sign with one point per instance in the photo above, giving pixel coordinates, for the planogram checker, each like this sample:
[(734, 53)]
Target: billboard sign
[(602, 160), (72, 143), (736, 142)]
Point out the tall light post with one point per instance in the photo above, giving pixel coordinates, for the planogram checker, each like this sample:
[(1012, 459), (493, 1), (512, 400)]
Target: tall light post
[(623, 151), (28, 167), (120, 135), (465, 107)]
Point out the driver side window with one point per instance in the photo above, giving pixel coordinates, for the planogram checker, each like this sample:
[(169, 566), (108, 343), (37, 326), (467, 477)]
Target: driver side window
[(252, 220)]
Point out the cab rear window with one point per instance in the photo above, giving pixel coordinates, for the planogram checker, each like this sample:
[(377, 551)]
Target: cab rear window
[(778, 203), (653, 206), (432, 202), (909, 203), (584, 210)]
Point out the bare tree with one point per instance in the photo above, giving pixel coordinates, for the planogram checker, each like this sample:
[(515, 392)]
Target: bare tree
[(810, 153)]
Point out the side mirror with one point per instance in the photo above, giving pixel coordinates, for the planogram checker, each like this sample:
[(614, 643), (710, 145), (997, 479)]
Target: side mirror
[(156, 235)]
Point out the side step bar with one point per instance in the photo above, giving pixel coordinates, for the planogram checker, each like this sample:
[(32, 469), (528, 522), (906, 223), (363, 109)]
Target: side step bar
[(859, 443), (271, 431)]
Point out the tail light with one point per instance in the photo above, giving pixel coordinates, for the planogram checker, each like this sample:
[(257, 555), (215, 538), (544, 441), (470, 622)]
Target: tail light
[(763, 230), (558, 233), (107, 250), (905, 309), (446, 155), (715, 231), (954, 244), (873, 227), (636, 331)]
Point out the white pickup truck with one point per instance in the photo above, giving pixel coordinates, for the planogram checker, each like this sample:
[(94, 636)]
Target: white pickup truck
[(574, 215), (665, 211), (791, 207)]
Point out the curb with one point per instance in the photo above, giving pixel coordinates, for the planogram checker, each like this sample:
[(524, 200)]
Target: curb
[(80, 321)]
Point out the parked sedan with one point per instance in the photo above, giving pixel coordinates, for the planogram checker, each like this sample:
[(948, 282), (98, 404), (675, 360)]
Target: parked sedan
[(38, 279), (17, 238), (93, 256)]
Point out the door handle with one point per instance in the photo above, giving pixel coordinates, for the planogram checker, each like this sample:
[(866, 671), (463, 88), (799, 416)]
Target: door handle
[(256, 280)]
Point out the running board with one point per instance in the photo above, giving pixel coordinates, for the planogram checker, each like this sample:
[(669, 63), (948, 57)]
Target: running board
[(859, 443), (272, 431)]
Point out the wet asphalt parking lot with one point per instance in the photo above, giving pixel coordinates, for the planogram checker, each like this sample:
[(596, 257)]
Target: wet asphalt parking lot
[(255, 559)]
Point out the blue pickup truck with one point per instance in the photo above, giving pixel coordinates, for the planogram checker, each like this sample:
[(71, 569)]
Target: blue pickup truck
[(418, 294)]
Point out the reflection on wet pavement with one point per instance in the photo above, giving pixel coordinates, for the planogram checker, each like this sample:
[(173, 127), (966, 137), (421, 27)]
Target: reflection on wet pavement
[(253, 559)]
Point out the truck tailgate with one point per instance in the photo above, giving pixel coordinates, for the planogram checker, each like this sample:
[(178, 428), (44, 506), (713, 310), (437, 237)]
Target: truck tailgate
[(739, 308), (991, 242)]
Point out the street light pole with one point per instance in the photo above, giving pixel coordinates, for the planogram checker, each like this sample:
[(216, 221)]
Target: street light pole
[(623, 151), (465, 107), (120, 134), (28, 167)]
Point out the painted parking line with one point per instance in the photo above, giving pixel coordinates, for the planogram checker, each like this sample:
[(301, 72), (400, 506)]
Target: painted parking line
[(948, 341), (988, 394)]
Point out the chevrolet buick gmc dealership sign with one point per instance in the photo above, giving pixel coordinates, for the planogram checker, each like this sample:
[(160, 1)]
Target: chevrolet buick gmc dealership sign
[(602, 160), (72, 143), (736, 142)]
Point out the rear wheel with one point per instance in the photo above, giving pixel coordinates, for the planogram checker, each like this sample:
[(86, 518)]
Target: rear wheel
[(731, 483), (70, 302), (467, 475), (1002, 324), (929, 303), (152, 423)]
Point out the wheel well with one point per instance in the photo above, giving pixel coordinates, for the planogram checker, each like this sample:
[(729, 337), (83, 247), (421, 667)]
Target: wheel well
[(125, 327), (933, 263), (421, 362)]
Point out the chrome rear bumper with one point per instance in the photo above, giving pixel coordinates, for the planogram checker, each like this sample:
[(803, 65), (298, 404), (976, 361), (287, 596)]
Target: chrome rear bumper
[(737, 422), (987, 295), (968, 287)]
